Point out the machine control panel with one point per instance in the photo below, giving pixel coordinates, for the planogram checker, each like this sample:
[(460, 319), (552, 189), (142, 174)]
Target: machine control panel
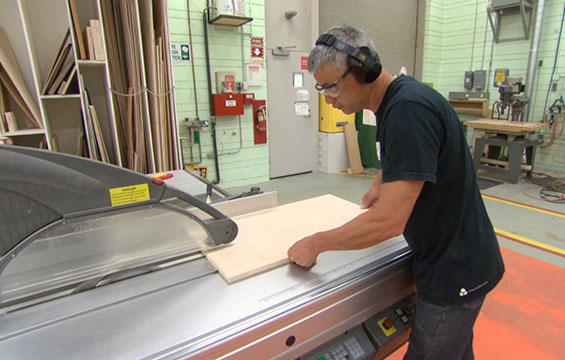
[(376, 338), (389, 328), (353, 345)]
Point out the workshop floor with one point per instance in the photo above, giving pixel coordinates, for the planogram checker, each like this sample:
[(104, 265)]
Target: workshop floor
[(524, 316)]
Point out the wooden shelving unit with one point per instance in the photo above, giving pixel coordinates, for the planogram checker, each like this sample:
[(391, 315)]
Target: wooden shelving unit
[(230, 20), (36, 30), (477, 107)]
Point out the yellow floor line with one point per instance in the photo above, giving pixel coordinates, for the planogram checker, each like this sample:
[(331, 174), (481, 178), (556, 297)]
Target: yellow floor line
[(362, 174), (531, 242), (506, 234), (529, 207)]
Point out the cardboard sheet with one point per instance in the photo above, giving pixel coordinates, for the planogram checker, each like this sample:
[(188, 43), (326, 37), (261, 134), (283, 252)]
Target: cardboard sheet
[(265, 236)]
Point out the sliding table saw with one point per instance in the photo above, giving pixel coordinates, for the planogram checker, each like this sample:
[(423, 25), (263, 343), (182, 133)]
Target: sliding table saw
[(98, 262)]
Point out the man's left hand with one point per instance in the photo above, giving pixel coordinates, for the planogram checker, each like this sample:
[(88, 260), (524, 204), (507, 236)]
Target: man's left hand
[(303, 252)]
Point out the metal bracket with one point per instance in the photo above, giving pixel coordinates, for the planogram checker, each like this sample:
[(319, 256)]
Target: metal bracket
[(498, 8), (282, 50)]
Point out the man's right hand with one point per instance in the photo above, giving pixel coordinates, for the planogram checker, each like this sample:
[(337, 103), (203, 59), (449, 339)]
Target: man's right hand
[(370, 198), (372, 195)]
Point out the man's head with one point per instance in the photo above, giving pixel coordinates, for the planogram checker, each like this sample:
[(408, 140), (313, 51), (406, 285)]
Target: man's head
[(346, 48), (343, 63)]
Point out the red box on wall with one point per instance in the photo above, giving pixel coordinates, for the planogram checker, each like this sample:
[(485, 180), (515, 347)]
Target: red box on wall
[(248, 98), (227, 104)]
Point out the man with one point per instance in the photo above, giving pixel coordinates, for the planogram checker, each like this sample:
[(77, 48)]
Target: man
[(426, 190)]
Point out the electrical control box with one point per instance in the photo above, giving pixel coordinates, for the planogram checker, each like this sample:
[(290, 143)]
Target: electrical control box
[(468, 83), (227, 104), (480, 79), (332, 119)]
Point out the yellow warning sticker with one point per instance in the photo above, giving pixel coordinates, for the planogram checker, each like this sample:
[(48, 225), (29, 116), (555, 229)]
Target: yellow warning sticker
[(500, 76), (129, 194), (202, 170)]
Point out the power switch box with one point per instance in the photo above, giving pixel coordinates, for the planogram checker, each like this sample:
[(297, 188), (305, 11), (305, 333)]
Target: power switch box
[(468, 80)]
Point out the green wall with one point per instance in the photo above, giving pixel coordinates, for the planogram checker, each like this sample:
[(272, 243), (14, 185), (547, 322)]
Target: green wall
[(455, 42), (457, 39), (249, 165)]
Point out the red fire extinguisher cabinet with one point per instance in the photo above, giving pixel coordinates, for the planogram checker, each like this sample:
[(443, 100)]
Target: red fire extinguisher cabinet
[(260, 122)]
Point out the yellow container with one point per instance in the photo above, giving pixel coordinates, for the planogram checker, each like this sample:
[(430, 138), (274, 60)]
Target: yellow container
[(332, 119)]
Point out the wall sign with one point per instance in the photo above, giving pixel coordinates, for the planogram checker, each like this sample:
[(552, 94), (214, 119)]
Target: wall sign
[(254, 77), (180, 52), (257, 44), (202, 171), (304, 62)]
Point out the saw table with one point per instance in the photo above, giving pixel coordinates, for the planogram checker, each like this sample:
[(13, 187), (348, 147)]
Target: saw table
[(99, 262)]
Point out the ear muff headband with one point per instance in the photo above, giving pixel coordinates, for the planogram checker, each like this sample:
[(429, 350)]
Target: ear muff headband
[(360, 57)]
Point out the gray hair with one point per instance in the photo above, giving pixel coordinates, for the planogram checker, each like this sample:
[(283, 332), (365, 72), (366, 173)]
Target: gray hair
[(321, 54)]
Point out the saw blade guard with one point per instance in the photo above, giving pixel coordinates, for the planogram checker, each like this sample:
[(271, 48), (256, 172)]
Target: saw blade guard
[(61, 225)]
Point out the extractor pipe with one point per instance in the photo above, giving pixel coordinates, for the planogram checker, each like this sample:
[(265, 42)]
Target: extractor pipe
[(533, 58)]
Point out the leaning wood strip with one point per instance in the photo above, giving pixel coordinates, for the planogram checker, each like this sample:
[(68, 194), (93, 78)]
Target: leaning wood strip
[(17, 96), (77, 29), (99, 136), (355, 166), (10, 65)]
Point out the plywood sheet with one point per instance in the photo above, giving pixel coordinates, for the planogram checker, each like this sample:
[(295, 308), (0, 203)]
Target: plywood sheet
[(265, 236)]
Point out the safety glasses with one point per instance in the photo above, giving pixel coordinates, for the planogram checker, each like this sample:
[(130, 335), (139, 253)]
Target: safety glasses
[(330, 90)]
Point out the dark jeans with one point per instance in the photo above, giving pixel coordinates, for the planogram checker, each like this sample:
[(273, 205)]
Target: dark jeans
[(443, 332)]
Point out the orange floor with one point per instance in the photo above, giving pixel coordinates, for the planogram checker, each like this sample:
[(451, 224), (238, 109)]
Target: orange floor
[(523, 318)]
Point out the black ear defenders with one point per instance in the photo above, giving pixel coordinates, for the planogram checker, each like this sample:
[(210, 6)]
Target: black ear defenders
[(358, 56)]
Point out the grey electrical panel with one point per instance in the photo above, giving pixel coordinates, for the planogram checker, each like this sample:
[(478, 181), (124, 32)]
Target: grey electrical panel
[(480, 79)]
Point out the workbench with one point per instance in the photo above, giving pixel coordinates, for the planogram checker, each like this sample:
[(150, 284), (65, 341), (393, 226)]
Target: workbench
[(504, 133)]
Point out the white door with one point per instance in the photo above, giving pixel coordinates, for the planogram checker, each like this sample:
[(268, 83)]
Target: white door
[(293, 139), (292, 122)]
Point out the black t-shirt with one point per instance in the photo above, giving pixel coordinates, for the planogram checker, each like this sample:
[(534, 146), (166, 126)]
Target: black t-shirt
[(456, 253)]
